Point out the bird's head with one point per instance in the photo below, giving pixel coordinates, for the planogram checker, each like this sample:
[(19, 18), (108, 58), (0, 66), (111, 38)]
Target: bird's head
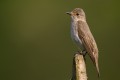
[(77, 14)]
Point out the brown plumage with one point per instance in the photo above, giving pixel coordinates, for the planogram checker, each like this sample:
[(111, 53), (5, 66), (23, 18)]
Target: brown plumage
[(89, 43), (82, 35)]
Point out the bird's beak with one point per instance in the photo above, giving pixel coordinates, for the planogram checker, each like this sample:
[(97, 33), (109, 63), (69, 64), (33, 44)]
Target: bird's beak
[(69, 13)]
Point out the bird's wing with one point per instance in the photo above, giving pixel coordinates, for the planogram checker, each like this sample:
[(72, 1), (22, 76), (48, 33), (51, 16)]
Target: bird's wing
[(88, 40)]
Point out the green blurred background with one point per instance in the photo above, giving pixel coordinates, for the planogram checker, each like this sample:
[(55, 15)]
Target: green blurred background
[(35, 41)]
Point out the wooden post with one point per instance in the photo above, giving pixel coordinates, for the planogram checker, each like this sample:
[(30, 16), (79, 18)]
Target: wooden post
[(79, 68)]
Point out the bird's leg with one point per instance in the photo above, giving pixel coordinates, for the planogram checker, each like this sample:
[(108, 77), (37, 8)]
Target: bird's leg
[(84, 52)]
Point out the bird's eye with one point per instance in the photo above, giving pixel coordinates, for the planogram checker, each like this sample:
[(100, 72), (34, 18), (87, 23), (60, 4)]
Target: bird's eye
[(77, 14)]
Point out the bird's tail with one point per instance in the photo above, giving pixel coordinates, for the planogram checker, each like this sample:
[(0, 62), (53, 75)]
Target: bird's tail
[(95, 62), (97, 67)]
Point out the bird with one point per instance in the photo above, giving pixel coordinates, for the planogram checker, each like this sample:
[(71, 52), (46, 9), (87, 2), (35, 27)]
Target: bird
[(82, 36)]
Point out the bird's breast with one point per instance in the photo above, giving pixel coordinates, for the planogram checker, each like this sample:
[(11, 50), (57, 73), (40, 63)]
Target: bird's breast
[(74, 35)]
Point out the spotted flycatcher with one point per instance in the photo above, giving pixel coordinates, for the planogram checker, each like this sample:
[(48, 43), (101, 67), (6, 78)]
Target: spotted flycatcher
[(82, 35)]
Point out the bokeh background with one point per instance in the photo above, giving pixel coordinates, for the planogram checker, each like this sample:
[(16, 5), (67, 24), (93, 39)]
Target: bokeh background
[(35, 41)]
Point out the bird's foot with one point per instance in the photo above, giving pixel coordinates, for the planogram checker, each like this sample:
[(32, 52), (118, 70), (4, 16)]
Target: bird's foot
[(82, 52)]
